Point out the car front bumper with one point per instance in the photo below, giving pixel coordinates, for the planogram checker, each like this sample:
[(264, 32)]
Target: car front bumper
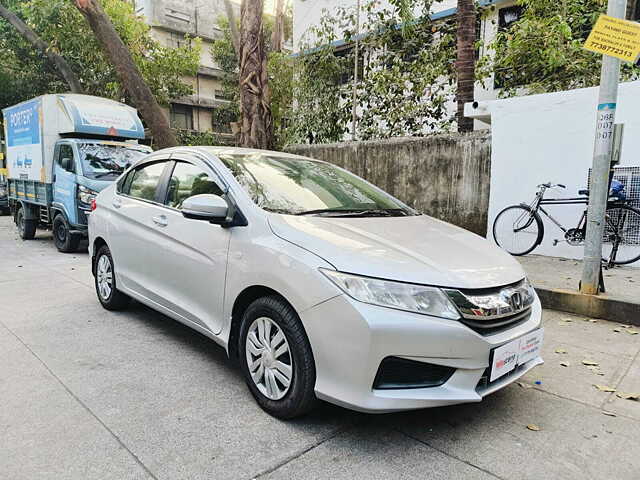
[(350, 339)]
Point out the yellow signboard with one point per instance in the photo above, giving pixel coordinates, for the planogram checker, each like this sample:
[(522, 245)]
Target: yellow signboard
[(615, 37)]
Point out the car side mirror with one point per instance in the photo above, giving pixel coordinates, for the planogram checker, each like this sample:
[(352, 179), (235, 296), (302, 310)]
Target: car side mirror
[(66, 163), (206, 207)]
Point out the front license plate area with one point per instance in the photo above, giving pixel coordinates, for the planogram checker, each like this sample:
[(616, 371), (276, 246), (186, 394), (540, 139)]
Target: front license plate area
[(506, 358)]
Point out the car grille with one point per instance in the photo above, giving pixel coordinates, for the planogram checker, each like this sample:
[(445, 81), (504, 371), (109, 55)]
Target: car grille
[(489, 311), (490, 327)]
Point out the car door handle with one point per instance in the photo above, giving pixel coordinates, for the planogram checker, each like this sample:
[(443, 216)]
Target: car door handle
[(160, 220), (117, 203)]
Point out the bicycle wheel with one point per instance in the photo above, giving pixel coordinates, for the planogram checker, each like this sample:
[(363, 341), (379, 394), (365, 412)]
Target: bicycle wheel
[(622, 230), (518, 230)]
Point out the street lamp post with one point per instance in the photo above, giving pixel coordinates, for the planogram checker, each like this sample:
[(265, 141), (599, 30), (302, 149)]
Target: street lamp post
[(599, 188)]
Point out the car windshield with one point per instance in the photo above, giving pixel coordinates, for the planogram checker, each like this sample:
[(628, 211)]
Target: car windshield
[(102, 160), (299, 186)]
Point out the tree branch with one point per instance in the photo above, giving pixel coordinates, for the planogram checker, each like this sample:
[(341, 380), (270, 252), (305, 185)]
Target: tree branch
[(60, 64)]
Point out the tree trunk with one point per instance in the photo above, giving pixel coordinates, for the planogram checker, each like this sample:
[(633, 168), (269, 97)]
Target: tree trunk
[(128, 73), (277, 37), (256, 124), (466, 60), (233, 26), (60, 64)]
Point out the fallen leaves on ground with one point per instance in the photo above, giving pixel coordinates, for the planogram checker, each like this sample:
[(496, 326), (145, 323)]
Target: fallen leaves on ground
[(629, 396), (617, 330), (610, 414), (632, 332), (590, 363), (561, 350), (592, 320), (565, 364), (604, 388), (565, 321), (524, 385), (533, 427)]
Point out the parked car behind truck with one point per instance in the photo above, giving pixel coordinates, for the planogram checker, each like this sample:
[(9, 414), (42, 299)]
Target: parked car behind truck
[(61, 151)]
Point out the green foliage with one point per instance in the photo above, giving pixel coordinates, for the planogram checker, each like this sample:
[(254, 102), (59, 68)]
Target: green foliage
[(403, 87), (65, 30), (542, 52), (193, 138)]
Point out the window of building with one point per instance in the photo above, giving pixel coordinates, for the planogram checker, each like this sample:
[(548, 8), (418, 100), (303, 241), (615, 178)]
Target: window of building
[(177, 40), (508, 16), (182, 117), (347, 54)]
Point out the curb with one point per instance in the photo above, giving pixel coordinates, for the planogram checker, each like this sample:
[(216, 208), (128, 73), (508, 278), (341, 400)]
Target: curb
[(600, 306)]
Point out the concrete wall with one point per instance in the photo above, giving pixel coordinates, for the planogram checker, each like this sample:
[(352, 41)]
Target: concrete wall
[(445, 176), (550, 137)]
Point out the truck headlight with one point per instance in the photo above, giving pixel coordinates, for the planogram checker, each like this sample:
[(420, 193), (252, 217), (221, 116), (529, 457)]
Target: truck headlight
[(397, 295), (86, 195)]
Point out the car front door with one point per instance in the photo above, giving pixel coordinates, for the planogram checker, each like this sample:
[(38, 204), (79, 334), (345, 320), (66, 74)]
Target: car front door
[(193, 254), (64, 183), (135, 239)]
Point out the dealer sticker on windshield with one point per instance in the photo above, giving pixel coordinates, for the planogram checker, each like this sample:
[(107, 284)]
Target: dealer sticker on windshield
[(519, 351)]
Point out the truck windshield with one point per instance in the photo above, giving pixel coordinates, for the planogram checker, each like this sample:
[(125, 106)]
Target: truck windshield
[(103, 161)]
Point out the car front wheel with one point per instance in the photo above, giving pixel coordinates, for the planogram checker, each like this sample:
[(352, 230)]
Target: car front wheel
[(276, 358), (105, 281)]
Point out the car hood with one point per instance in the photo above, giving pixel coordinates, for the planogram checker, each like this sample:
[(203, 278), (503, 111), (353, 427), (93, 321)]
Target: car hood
[(417, 249)]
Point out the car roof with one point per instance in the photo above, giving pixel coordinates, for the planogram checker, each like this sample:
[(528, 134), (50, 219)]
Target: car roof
[(225, 150)]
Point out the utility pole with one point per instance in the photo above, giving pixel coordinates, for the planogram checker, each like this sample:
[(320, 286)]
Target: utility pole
[(599, 188), (354, 110)]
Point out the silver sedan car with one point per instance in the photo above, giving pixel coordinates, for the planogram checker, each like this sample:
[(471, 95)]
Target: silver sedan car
[(320, 284)]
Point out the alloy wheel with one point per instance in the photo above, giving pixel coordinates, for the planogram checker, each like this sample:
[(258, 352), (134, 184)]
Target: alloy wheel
[(104, 275), (269, 358)]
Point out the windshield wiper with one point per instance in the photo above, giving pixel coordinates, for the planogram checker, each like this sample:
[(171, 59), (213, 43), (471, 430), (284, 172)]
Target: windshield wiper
[(372, 212), (104, 174)]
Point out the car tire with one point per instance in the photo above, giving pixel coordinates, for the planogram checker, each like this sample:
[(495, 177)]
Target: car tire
[(65, 241), (105, 282), (26, 228), (268, 389)]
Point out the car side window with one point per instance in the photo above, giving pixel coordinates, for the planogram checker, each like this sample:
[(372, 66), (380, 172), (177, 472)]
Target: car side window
[(65, 158), (143, 182), (188, 180)]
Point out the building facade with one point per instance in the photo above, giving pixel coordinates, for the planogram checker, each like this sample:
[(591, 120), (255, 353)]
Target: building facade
[(500, 15), (170, 22)]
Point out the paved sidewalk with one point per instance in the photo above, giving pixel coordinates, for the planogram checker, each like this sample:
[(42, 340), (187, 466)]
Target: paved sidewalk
[(90, 394), (557, 280)]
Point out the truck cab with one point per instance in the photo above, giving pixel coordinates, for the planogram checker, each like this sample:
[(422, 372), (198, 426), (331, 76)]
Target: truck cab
[(61, 150), (81, 169)]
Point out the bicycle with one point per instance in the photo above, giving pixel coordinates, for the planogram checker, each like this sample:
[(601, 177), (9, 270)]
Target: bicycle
[(518, 229)]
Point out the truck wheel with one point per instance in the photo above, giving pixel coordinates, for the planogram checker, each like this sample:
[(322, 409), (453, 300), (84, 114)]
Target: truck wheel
[(105, 281), (26, 228), (65, 241)]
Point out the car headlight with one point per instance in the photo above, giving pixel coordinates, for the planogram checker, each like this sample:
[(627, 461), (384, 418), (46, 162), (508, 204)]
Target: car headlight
[(86, 195), (391, 294), (3, 192)]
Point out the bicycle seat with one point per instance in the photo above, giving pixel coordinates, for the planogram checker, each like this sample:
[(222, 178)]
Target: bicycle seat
[(583, 192)]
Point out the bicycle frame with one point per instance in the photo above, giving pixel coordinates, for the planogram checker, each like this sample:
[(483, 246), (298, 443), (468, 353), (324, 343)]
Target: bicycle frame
[(536, 206)]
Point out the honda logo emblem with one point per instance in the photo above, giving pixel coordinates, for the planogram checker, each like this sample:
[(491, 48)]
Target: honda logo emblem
[(516, 301)]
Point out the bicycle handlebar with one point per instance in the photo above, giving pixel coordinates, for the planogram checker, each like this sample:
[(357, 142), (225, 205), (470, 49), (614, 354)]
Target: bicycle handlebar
[(550, 185)]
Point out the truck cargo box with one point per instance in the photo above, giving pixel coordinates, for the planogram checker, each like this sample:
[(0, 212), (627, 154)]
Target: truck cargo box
[(33, 127)]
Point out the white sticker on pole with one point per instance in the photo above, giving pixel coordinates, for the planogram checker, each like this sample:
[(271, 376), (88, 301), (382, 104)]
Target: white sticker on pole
[(604, 129)]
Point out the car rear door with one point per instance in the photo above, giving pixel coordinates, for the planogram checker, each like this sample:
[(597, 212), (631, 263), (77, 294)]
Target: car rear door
[(192, 254), (135, 238)]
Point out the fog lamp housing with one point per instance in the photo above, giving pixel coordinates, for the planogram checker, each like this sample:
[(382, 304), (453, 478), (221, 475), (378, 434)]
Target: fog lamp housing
[(396, 373)]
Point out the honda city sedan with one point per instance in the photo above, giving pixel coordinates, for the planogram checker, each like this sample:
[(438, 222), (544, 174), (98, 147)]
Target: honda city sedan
[(321, 285)]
